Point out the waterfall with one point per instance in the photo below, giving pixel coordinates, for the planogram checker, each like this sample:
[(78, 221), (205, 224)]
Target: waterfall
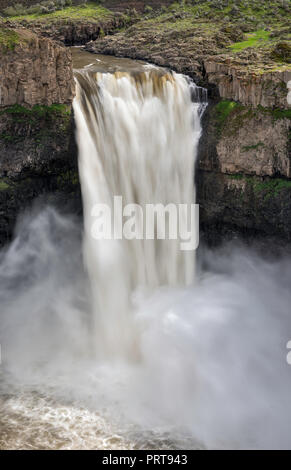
[(137, 135)]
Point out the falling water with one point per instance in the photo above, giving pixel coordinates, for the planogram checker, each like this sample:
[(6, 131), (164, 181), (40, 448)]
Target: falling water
[(212, 369), (137, 136)]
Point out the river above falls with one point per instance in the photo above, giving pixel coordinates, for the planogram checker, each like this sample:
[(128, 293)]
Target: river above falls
[(105, 63)]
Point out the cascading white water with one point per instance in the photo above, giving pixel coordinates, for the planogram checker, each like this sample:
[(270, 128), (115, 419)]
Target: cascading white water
[(137, 136), (213, 369)]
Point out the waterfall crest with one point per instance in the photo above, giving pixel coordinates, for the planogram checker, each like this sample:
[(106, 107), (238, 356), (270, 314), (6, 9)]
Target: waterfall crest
[(137, 135)]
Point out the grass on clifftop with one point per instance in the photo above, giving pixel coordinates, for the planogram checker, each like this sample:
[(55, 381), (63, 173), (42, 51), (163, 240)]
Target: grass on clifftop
[(249, 33), (90, 11), (254, 39), (8, 39)]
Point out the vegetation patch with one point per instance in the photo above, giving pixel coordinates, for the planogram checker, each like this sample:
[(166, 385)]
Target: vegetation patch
[(39, 123), (275, 113), (235, 114), (58, 9), (224, 108), (272, 187), (21, 113), (8, 39), (254, 39), (247, 148), (3, 185), (266, 188), (222, 111), (282, 52), (236, 176), (70, 177)]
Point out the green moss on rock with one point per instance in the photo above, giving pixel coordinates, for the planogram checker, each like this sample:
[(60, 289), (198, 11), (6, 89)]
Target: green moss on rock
[(263, 188), (3, 185), (8, 39), (38, 111), (247, 148)]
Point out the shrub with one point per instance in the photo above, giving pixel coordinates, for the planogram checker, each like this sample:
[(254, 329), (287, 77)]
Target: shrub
[(282, 51), (148, 9), (16, 10)]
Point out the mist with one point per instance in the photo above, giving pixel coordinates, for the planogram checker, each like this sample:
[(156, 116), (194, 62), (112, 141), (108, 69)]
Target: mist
[(211, 369)]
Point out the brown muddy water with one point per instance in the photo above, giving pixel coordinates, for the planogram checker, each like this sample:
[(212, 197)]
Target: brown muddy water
[(104, 63)]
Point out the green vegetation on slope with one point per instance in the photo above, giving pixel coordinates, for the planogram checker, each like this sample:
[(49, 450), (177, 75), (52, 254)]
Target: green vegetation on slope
[(3, 185), (265, 188), (40, 122), (89, 11), (8, 39), (37, 111), (229, 116), (253, 34), (254, 39)]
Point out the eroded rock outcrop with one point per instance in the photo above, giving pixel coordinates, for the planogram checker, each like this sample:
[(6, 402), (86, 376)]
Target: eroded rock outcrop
[(77, 32), (268, 89), (34, 70), (247, 141)]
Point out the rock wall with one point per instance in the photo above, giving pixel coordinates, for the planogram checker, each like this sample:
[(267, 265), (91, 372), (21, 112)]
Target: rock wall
[(34, 70), (38, 156), (247, 141), (244, 184), (77, 32), (268, 89)]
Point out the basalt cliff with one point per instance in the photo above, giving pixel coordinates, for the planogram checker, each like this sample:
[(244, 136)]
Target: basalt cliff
[(239, 52), (37, 149)]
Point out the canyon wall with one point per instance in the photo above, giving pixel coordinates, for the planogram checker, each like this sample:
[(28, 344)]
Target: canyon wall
[(244, 169), (244, 185), (37, 150), (234, 83), (34, 70)]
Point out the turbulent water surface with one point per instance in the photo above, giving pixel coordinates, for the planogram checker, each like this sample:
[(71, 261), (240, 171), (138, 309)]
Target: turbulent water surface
[(124, 346)]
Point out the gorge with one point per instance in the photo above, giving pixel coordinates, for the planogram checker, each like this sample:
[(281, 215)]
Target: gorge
[(135, 344)]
